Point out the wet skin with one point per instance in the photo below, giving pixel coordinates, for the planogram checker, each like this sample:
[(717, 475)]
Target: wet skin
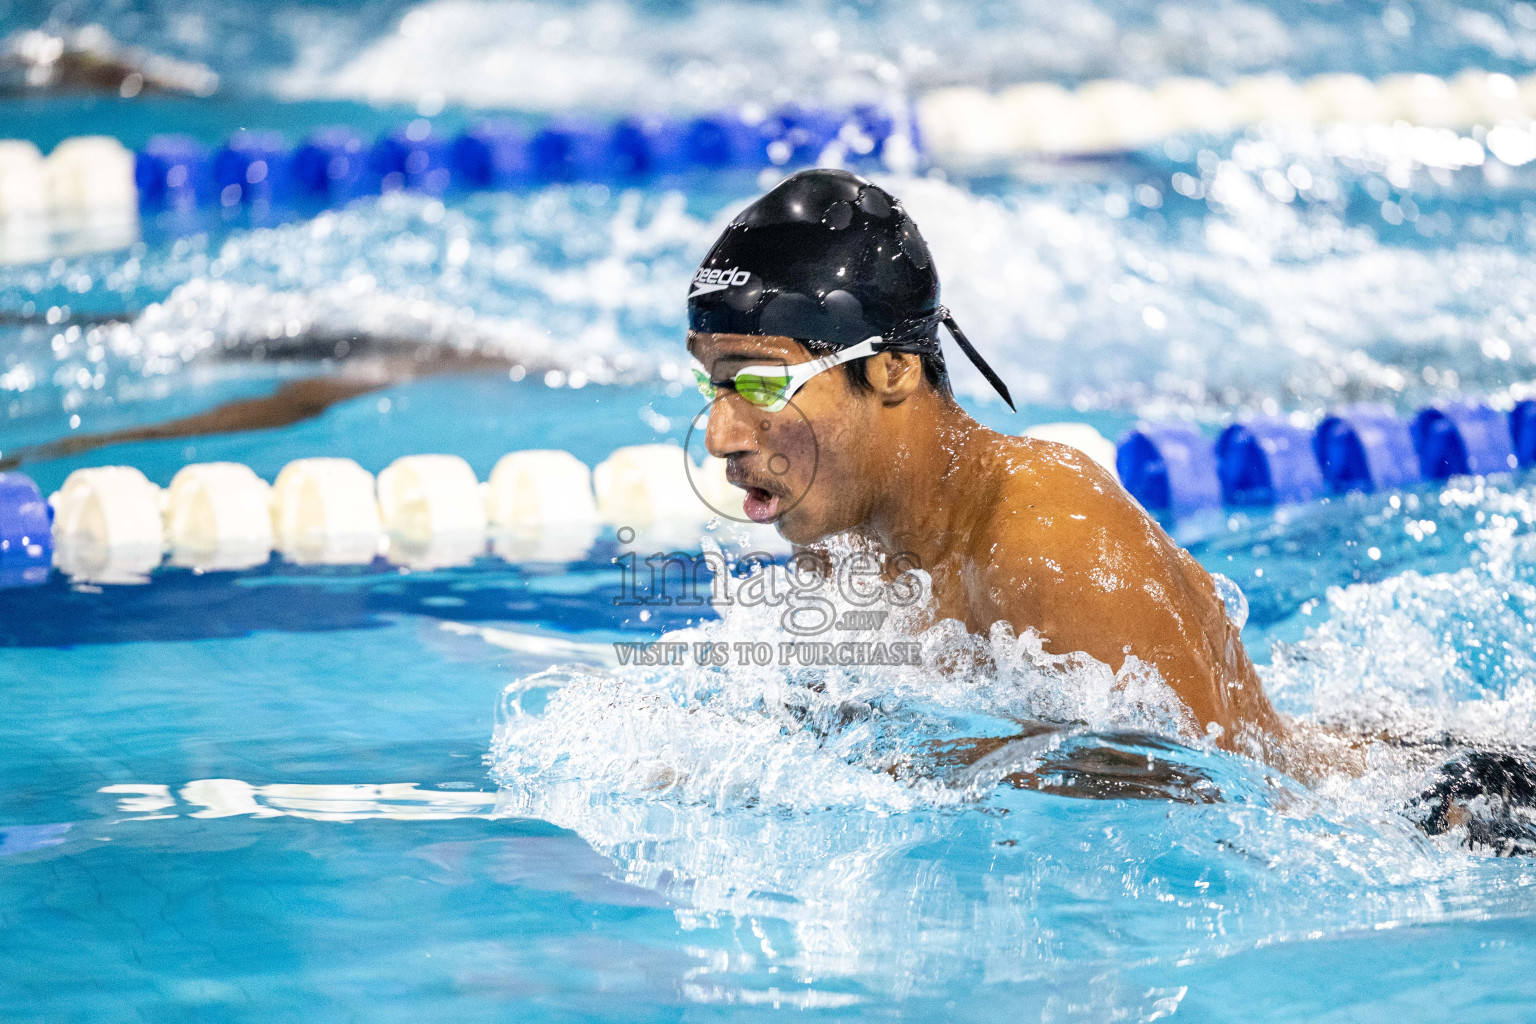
[(1011, 529)]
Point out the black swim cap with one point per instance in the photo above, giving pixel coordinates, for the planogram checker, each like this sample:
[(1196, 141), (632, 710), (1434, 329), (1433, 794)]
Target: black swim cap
[(826, 257)]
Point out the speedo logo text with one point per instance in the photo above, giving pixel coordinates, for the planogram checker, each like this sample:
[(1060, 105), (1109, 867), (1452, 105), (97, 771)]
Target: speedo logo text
[(718, 279)]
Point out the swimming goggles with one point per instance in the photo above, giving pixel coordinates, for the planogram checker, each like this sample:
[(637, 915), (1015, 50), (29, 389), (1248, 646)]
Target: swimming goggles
[(771, 387)]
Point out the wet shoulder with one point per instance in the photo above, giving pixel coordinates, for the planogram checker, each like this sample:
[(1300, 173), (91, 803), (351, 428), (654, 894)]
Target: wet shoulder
[(1052, 499)]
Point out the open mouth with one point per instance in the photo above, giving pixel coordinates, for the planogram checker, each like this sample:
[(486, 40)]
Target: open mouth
[(761, 505), (764, 498)]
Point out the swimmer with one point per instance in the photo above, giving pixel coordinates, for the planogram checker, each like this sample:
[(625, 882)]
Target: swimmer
[(814, 321)]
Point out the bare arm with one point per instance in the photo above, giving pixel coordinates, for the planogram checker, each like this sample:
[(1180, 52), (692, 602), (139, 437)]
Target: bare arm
[(1072, 556)]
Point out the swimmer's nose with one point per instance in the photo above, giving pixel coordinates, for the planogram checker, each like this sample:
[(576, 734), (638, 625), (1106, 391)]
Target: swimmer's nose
[(731, 429)]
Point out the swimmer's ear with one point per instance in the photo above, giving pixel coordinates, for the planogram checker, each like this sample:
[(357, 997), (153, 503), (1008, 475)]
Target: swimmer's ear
[(895, 376)]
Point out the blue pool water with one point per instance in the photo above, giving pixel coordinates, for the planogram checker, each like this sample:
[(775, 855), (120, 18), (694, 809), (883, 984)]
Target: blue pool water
[(371, 793)]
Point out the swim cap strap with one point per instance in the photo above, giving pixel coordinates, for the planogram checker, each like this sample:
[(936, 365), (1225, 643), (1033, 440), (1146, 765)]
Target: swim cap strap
[(920, 336), (975, 358)]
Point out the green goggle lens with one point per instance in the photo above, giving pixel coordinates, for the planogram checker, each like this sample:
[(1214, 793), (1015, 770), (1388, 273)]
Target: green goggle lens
[(763, 391)]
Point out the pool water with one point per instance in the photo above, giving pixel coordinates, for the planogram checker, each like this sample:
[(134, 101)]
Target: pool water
[(380, 793)]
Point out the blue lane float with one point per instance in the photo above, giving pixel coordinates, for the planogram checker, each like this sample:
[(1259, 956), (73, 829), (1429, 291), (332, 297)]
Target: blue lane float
[(26, 532), (796, 134), (493, 155), (331, 166), (1267, 462), (1169, 467), (412, 158), (253, 167), (570, 149), (1461, 438), (1365, 448), (1522, 429), (640, 147), (334, 165), (722, 141), (172, 173)]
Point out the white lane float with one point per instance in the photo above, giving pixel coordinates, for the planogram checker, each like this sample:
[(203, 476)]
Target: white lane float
[(218, 515), (1344, 98), (113, 525), (964, 119), (1122, 116), (1040, 117), (107, 525), (91, 173), (540, 488), (82, 198), (1195, 105), (971, 127), (647, 483), (23, 183), (1080, 436), (1421, 99), (1268, 97), (540, 507), (433, 511), (324, 513), (23, 203), (1490, 99), (648, 489)]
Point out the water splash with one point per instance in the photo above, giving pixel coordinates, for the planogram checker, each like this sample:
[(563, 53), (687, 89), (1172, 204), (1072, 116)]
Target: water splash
[(1427, 655), (603, 54), (830, 814)]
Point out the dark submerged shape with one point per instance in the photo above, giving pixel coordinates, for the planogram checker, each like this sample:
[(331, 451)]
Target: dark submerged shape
[(1492, 793), (831, 259)]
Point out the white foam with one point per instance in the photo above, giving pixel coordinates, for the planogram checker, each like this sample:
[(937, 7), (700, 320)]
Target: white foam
[(801, 736), (545, 280), (603, 54), (1450, 653), (1275, 297), (783, 798), (1269, 302)]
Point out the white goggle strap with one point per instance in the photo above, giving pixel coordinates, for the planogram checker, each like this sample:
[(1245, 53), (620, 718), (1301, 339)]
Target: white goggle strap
[(805, 371), (801, 373)]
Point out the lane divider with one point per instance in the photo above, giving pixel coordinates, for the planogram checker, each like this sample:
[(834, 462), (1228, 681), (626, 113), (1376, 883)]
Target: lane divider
[(218, 515), (92, 188), (324, 511), (336, 164), (111, 524), (1175, 468), (969, 126)]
